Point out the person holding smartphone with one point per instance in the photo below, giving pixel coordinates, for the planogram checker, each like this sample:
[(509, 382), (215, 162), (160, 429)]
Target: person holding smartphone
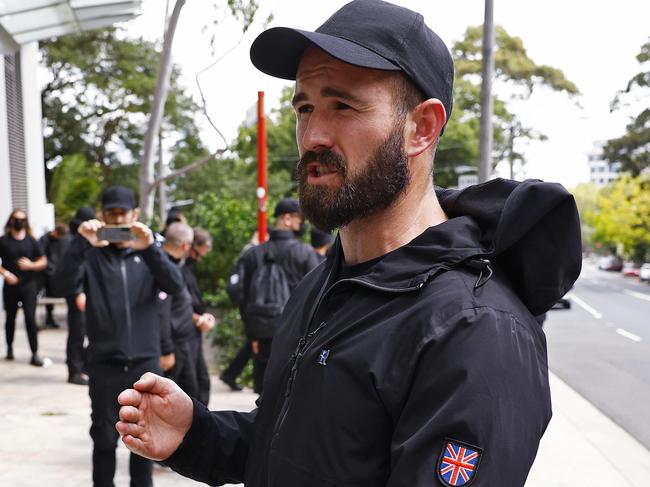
[(122, 271), (22, 259)]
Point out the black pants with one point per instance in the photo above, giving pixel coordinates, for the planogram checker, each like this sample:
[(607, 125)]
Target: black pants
[(239, 362), (184, 370), (202, 374), (260, 360), (26, 295), (49, 308), (75, 351), (107, 380)]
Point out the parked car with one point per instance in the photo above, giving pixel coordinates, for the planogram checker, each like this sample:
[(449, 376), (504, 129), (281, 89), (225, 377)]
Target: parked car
[(610, 263), (644, 272), (630, 269)]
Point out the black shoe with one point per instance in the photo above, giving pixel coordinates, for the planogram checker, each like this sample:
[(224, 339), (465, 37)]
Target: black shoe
[(10, 353), (52, 324), (36, 361), (78, 379), (231, 383)]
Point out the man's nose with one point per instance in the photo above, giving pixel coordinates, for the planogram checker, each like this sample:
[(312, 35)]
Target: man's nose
[(315, 134)]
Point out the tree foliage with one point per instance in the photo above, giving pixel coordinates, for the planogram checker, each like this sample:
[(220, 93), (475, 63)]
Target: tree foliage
[(632, 149), (75, 183), (622, 216), (99, 95), (518, 75)]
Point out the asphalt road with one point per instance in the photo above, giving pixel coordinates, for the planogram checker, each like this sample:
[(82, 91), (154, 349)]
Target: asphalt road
[(601, 346)]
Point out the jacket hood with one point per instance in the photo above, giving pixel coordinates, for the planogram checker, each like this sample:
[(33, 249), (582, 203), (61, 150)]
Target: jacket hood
[(529, 229)]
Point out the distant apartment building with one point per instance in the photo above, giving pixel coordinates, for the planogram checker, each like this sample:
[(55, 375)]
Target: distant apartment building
[(601, 171), (22, 24)]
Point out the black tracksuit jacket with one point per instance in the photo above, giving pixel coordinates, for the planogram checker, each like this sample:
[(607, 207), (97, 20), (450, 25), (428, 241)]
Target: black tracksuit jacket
[(370, 377), (121, 286)]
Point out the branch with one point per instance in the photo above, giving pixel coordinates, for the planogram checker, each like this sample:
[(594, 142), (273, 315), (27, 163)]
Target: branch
[(186, 169)]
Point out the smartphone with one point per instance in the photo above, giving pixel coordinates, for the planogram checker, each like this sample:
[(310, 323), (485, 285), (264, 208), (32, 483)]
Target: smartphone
[(115, 233)]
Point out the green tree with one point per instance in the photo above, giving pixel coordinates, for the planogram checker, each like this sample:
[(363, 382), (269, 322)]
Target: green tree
[(515, 73), (75, 183), (623, 216), (98, 97), (632, 149)]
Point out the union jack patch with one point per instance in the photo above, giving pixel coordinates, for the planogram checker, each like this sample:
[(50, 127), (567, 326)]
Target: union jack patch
[(458, 463)]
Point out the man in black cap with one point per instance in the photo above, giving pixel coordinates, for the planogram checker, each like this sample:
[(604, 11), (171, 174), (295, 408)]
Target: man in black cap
[(262, 299), (411, 356), (121, 280)]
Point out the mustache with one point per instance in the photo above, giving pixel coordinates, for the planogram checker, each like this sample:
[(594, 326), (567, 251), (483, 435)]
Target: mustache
[(325, 157)]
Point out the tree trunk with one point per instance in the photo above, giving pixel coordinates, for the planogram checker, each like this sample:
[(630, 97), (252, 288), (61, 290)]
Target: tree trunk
[(147, 185)]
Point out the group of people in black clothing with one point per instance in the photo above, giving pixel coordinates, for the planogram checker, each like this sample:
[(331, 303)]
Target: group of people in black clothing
[(137, 301)]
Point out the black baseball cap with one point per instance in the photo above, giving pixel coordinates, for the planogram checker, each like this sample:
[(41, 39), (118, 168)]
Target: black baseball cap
[(287, 205), (369, 34), (118, 197)]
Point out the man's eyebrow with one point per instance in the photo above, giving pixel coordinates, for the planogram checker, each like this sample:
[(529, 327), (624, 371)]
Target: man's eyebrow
[(327, 92), (298, 97)]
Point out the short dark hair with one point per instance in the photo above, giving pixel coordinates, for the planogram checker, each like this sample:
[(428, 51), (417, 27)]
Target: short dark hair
[(406, 95)]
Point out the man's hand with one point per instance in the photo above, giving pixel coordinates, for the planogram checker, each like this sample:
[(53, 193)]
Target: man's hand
[(143, 236), (167, 362), (88, 230), (24, 264), (10, 278), (206, 322), (255, 346), (154, 417)]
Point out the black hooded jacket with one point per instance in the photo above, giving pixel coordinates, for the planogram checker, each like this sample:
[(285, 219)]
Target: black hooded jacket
[(375, 379), (121, 286)]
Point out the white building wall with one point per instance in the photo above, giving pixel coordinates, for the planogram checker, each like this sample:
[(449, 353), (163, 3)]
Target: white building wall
[(41, 214), (5, 184)]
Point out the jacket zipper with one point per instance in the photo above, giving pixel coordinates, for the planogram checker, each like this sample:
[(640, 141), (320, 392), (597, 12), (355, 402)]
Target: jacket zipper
[(128, 307), (305, 341)]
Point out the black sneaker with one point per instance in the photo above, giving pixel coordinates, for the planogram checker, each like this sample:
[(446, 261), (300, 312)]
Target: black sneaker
[(231, 383), (36, 361), (10, 353), (78, 379)]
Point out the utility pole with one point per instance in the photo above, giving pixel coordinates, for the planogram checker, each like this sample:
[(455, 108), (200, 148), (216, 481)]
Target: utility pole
[(487, 70), (262, 187)]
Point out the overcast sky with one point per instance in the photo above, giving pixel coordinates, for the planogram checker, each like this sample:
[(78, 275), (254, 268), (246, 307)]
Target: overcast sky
[(593, 42)]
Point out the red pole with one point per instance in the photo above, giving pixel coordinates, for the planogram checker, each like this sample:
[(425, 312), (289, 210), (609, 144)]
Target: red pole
[(262, 189)]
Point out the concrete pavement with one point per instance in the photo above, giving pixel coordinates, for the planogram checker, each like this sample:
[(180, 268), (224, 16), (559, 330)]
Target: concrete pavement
[(44, 424)]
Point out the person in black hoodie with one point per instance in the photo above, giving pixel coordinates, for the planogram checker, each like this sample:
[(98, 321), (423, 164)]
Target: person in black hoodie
[(411, 356), (121, 282), (177, 311), (53, 245), (295, 258)]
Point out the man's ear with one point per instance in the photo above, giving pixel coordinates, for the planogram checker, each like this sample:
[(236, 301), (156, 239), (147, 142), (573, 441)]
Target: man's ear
[(424, 124)]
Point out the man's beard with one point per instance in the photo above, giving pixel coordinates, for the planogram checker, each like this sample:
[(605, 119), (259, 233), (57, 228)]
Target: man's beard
[(374, 188)]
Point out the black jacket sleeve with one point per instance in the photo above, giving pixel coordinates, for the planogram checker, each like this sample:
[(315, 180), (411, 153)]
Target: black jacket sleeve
[(68, 271), (215, 449), (485, 385), (167, 274)]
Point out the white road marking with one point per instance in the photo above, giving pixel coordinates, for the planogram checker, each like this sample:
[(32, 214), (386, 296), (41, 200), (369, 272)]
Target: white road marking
[(629, 335), (637, 295), (585, 306)]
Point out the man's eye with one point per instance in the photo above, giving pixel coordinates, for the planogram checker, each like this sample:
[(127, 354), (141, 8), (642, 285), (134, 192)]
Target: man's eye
[(342, 106), (304, 109)]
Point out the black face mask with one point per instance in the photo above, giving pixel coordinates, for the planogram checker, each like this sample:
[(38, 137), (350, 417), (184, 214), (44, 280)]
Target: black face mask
[(301, 231), (18, 224)]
